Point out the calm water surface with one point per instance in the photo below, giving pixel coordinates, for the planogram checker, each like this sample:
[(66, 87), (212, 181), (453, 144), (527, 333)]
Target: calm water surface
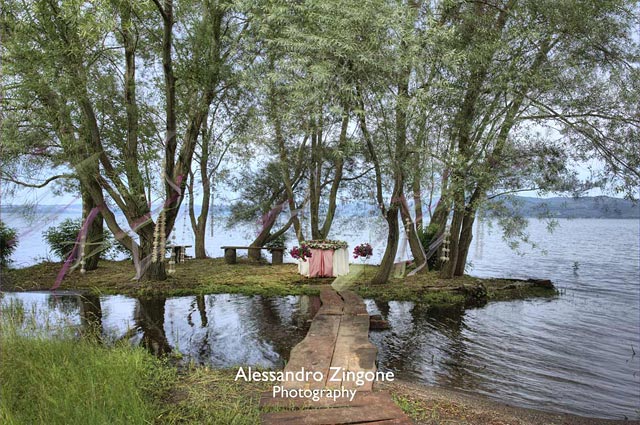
[(573, 353)]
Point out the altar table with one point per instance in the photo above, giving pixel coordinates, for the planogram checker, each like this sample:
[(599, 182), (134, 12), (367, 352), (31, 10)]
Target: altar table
[(325, 263)]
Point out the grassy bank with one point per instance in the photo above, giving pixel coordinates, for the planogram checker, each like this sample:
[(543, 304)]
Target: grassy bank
[(194, 277), (73, 379), (210, 276), (429, 288), (62, 381)]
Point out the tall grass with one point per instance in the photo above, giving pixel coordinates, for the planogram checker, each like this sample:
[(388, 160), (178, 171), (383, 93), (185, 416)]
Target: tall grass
[(65, 380)]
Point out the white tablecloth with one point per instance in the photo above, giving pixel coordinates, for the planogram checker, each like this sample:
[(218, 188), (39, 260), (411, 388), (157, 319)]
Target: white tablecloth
[(340, 263)]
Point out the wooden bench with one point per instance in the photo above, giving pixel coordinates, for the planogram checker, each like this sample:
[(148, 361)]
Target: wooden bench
[(180, 252), (277, 254)]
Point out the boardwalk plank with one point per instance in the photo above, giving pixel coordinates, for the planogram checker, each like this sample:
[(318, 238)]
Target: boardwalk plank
[(337, 416), (353, 304), (332, 303), (362, 398), (338, 337)]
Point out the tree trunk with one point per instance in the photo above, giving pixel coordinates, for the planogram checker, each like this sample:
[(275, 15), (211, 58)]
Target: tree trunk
[(412, 236), (95, 231), (466, 235), (417, 199), (384, 271), (449, 267), (154, 270)]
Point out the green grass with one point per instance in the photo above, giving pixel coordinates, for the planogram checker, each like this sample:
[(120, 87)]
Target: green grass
[(71, 380), (195, 277), (65, 381), (213, 276), (208, 396)]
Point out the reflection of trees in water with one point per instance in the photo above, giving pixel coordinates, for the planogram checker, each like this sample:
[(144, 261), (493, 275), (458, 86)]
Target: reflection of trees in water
[(272, 327), (202, 346), (68, 305), (426, 339), (149, 318), (91, 316)]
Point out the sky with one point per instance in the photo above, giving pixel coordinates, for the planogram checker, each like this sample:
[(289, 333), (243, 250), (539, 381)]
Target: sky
[(45, 196)]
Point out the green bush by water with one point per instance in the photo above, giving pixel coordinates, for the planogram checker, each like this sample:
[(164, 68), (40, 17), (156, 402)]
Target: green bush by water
[(8, 243)]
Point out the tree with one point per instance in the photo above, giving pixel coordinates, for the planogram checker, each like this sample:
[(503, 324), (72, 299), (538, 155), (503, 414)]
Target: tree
[(522, 56), (83, 47)]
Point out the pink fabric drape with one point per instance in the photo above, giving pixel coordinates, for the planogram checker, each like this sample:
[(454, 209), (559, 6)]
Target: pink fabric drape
[(321, 263)]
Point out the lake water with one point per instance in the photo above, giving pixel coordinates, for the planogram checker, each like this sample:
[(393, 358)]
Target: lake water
[(577, 353)]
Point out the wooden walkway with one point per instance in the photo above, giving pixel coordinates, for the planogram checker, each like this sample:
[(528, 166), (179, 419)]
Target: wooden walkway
[(338, 340)]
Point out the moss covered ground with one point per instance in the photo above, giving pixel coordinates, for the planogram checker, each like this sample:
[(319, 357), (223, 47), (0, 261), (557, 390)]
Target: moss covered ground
[(210, 276)]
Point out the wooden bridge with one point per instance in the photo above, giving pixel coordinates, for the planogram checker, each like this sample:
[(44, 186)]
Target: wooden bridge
[(338, 340)]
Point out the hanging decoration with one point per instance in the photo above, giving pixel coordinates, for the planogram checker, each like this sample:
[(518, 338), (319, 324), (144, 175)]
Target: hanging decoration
[(172, 259), (159, 239), (445, 245), (83, 240), (184, 221)]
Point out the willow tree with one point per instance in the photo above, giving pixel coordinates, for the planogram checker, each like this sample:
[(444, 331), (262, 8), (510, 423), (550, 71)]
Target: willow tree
[(520, 63), (308, 78), (71, 48), (211, 53)]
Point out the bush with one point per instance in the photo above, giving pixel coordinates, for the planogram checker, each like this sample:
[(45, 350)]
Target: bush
[(279, 242), (426, 235), (62, 238), (8, 244)]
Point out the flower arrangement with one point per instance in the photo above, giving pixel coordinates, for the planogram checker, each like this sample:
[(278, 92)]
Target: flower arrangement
[(325, 244), (301, 253), (363, 250)]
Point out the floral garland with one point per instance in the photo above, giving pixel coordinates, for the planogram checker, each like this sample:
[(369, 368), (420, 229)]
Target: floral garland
[(301, 253), (325, 244)]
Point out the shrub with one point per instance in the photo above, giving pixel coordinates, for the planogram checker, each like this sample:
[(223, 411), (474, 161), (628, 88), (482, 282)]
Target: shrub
[(278, 242), (426, 235), (8, 243), (62, 238)]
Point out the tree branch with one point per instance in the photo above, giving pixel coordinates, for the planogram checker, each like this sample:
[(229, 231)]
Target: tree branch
[(11, 179)]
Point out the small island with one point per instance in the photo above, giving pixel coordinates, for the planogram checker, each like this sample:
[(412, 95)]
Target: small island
[(319, 212)]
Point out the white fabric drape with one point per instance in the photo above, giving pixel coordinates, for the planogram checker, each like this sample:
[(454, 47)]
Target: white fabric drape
[(303, 268), (340, 262)]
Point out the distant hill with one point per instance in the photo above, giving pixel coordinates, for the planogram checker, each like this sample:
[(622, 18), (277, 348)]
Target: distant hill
[(583, 207)]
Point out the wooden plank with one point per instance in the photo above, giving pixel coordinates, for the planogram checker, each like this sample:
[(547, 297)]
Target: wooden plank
[(341, 415), (353, 352), (314, 352), (353, 304), (397, 421), (332, 303), (361, 398)]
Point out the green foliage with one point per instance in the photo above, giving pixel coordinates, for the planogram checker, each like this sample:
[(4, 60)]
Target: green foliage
[(62, 238), (66, 381), (8, 243), (277, 242), (426, 236)]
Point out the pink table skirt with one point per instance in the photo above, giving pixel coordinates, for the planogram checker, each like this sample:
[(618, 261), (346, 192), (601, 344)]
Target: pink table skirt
[(321, 263)]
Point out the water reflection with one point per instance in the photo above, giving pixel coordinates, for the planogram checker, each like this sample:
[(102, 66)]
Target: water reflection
[(218, 330), (502, 351)]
